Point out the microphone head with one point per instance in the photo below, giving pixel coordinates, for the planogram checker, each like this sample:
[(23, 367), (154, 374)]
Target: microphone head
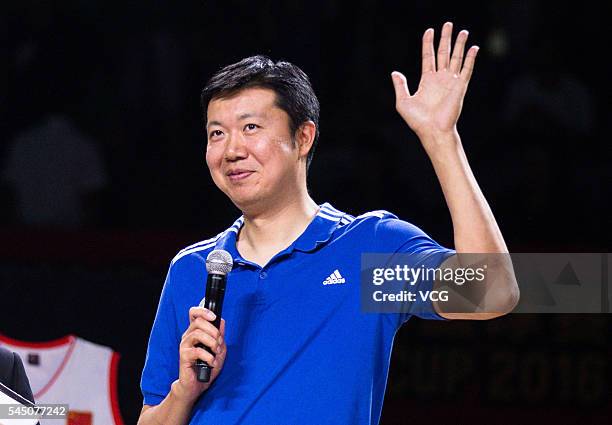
[(219, 261)]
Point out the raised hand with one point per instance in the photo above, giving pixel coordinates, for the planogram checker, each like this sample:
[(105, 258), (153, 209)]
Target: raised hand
[(435, 107)]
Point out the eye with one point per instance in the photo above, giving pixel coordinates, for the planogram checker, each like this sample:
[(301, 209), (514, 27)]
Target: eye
[(215, 133), (251, 127)]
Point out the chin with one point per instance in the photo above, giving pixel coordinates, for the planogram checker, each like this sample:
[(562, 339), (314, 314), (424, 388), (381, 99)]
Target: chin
[(243, 201)]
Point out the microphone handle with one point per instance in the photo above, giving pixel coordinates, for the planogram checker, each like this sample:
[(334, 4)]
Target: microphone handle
[(215, 291)]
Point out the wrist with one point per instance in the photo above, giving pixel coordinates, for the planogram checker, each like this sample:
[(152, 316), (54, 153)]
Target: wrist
[(180, 394), (441, 145)]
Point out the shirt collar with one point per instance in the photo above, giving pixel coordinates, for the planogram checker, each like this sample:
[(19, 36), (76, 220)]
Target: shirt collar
[(227, 240), (318, 232)]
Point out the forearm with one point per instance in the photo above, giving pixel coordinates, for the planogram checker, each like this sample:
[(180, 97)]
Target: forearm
[(173, 410), (475, 232), (474, 226)]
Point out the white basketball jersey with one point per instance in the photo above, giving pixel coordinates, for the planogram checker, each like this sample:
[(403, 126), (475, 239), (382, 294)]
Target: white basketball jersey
[(72, 371)]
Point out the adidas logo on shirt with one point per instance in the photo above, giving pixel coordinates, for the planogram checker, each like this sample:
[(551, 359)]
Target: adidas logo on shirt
[(334, 278)]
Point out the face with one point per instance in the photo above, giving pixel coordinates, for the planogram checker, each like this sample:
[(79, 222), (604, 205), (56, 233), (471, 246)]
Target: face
[(250, 152)]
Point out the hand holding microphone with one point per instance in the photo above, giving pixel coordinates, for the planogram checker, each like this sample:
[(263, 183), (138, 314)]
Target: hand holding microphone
[(202, 349)]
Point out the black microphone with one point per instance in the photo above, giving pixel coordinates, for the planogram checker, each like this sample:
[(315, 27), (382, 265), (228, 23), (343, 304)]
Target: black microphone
[(218, 265)]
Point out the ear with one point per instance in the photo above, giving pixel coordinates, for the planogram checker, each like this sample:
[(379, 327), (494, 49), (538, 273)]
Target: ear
[(305, 136)]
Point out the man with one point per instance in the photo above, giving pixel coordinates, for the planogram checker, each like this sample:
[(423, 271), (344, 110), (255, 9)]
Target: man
[(294, 346)]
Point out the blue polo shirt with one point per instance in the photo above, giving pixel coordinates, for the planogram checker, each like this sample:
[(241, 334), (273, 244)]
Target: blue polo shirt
[(299, 350)]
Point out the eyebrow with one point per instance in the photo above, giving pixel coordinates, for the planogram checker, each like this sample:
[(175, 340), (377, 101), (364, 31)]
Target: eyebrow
[(240, 118), (249, 115)]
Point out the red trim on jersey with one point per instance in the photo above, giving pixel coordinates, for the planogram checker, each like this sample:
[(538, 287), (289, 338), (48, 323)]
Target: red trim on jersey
[(71, 339), (114, 396), (44, 344)]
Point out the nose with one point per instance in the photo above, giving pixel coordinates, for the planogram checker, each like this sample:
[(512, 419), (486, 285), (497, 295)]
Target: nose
[(235, 148)]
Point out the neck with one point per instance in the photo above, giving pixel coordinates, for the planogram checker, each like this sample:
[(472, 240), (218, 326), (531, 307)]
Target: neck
[(266, 233), (280, 223)]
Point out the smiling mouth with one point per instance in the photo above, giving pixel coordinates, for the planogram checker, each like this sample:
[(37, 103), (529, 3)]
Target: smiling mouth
[(239, 175)]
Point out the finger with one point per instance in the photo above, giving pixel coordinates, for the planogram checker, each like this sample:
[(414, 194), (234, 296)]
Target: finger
[(458, 51), (400, 85), (221, 337), (220, 357), (201, 312), (203, 324), (191, 354), (468, 66), (206, 326), (445, 46), (428, 54), (200, 337)]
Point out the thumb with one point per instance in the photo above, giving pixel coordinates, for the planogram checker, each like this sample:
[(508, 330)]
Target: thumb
[(400, 85)]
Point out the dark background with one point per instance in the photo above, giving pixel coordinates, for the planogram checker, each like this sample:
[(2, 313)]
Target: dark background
[(122, 79)]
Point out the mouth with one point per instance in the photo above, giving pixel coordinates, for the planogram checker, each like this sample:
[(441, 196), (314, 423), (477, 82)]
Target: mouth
[(237, 175)]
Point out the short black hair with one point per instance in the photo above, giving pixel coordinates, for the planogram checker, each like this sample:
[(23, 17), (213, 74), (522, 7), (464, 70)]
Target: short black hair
[(294, 93)]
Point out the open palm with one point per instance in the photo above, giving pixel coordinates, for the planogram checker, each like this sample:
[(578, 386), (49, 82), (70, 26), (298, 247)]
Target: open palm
[(436, 105)]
